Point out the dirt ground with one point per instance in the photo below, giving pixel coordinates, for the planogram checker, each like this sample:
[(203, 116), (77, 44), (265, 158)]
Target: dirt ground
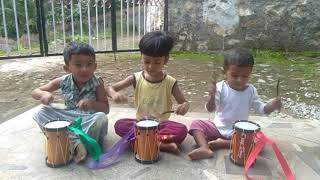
[(20, 76)]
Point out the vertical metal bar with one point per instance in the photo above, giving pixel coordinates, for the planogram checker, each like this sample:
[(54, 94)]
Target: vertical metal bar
[(159, 18), (5, 27), (104, 24), (139, 14), (43, 24), (133, 22), (16, 23), (80, 13), (41, 28), (39, 23), (114, 25), (63, 28), (128, 24), (144, 17), (27, 24), (121, 21), (154, 17), (89, 22), (54, 26), (165, 18), (148, 17), (72, 26), (97, 26)]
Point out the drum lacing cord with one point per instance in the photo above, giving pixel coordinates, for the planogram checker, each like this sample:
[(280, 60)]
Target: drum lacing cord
[(233, 141), (147, 144), (64, 158)]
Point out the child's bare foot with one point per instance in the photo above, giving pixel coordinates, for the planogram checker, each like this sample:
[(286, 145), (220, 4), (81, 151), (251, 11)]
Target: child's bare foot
[(219, 144), (201, 153), (81, 153), (170, 147)]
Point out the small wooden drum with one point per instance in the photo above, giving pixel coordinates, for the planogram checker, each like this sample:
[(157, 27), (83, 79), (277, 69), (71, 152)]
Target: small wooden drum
[(57, 144), (147, 144), (242, 140)]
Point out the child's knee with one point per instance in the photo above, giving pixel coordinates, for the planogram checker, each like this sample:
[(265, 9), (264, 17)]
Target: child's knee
[(101, 116), (101, 119), (195, 123)]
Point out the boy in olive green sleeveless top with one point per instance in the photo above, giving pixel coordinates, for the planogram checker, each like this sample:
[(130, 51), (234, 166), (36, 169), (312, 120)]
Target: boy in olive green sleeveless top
[(153, 91)]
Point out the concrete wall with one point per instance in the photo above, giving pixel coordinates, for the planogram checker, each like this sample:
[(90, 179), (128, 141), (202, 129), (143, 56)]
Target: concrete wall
[(210, 25)]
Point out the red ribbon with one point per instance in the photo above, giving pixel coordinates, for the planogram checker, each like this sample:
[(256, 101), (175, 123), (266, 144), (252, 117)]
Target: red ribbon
[(261, 140)]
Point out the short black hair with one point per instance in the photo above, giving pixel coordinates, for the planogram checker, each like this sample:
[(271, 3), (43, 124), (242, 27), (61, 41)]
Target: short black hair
[(77, 48), (238, 57), (156, 44)]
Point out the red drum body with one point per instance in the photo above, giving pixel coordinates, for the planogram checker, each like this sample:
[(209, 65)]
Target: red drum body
[(242, 141)]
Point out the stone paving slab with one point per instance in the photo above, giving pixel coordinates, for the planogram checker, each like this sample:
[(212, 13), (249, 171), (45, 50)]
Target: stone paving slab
[(280, 125), (22, 156), (260, 167)]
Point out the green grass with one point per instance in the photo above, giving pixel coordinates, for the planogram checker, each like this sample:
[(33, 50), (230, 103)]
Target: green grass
[(120, 56), (304, 64), (274, 57), (189, 55), (261, 57), (23, 49)]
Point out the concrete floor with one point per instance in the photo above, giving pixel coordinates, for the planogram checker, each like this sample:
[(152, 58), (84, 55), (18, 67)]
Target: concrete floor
[(22, 155)]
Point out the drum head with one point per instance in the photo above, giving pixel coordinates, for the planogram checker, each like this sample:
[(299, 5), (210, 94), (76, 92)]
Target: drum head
[(54, 125), (147, 124), (246, 126)]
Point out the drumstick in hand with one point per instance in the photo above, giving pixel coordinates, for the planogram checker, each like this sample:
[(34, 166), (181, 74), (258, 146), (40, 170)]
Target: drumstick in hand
[(166, 112), (278, 91)]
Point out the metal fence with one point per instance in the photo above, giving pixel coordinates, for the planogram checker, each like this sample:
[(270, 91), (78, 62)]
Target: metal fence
[(44, 27)]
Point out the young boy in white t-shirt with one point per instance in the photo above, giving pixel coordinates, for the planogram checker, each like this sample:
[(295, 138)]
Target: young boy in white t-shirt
[(231, 99)]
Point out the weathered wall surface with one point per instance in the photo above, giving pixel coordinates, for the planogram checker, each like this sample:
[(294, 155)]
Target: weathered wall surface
[(210, 25)]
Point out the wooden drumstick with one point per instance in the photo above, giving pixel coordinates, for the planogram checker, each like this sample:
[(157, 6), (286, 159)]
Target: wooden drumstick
[(278, 84), (166, 112)]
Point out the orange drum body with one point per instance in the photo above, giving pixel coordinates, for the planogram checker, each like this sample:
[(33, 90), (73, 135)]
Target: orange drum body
[(242, 140), (57, 143), (147, 144)]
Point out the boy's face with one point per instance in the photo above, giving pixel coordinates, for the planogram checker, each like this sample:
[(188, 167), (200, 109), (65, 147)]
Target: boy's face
[(82, 67), (237, 77), (153, 65)]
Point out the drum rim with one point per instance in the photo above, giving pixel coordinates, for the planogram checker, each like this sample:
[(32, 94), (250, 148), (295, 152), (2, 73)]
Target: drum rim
[(147, 161), (246, 130), (150, 127), (52, 165), (55, 129)]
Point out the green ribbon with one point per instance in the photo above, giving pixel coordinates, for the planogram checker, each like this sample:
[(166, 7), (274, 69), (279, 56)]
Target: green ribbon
[(89, 143)]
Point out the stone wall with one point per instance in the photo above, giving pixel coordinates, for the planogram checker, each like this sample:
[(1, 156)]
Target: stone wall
[(211, 25)]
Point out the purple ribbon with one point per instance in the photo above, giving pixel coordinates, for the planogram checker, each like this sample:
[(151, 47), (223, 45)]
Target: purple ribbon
[(112, 155)]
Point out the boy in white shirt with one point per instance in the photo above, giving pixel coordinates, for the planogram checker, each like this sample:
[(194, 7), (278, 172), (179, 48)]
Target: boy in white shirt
[(231, 99)]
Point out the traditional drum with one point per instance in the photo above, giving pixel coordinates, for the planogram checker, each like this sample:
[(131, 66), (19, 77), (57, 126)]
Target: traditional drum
[(147, 144), (242, 140), (57, 144)]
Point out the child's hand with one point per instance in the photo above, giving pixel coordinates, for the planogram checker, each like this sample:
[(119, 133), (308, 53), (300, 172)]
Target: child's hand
[(46, 98), (86, 103), (119, 98), (182, 109), (210, 105), (212, 89), (274, 104)]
